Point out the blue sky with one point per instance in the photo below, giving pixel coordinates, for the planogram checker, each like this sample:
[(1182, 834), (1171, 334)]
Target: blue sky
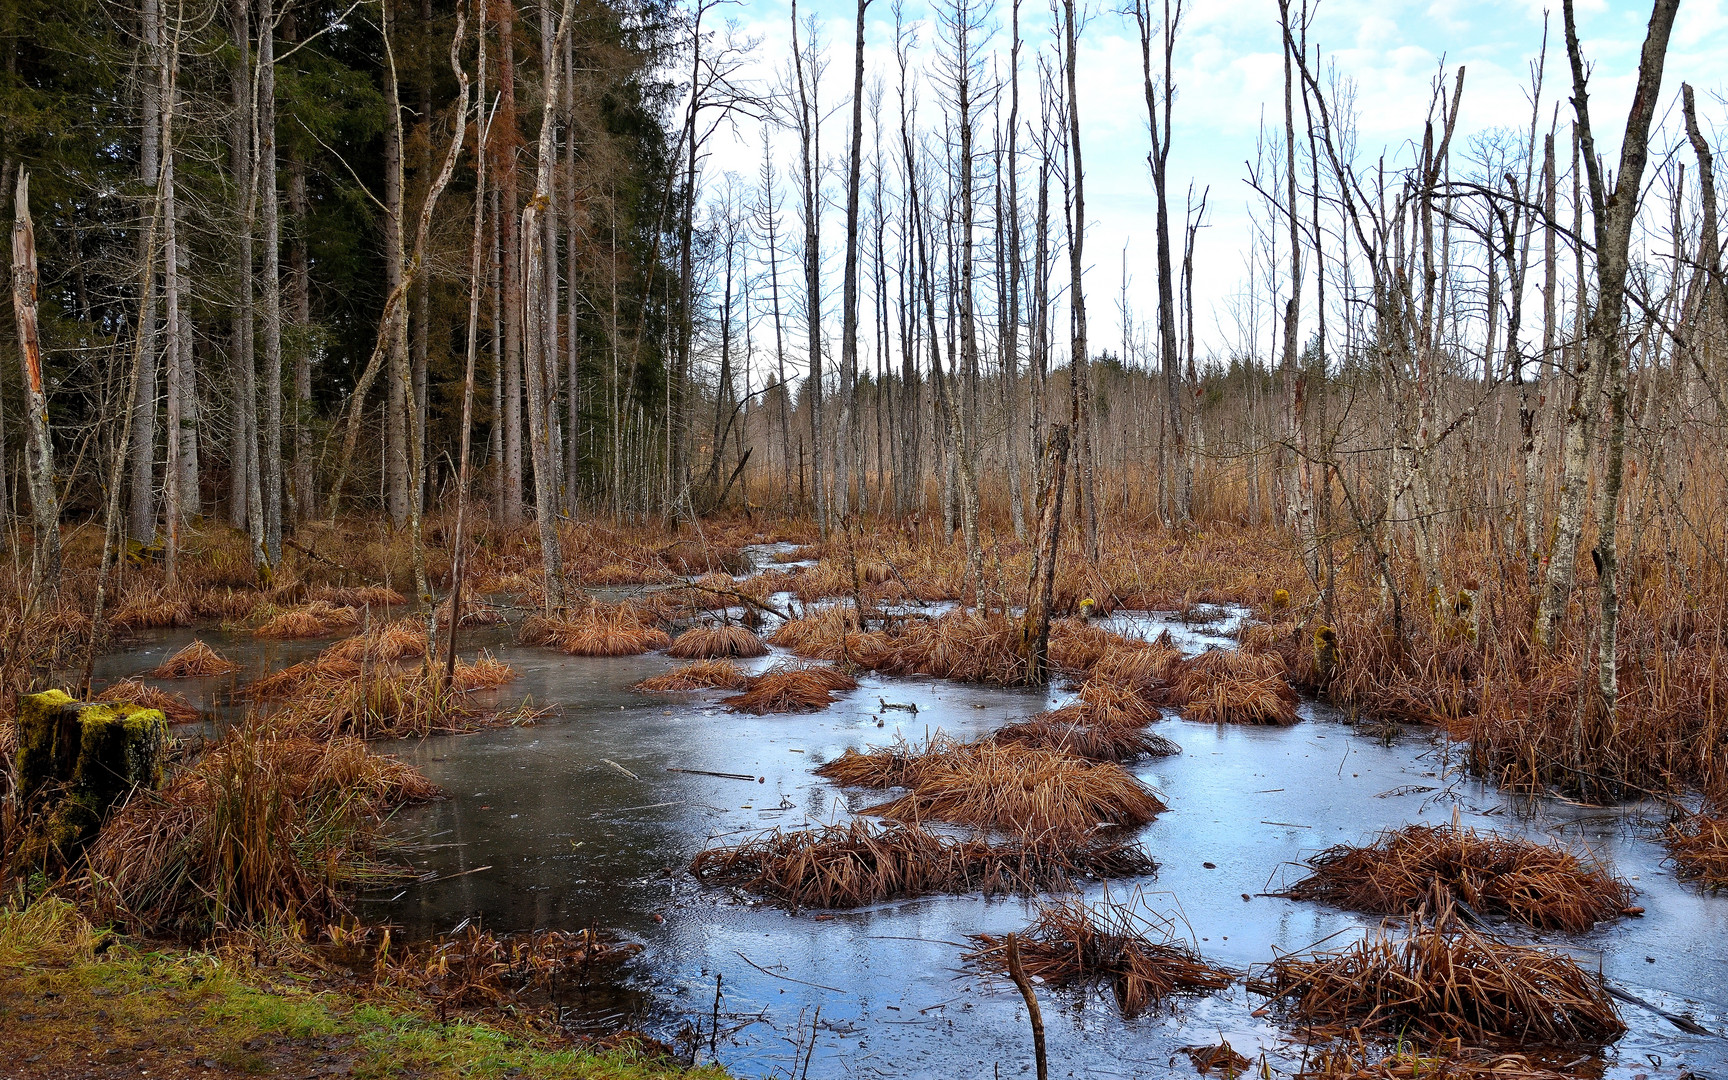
[(1230, 76)]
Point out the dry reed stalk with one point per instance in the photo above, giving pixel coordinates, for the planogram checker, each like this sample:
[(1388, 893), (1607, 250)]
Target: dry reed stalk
[(319, 618), (1427, 865), (195, 661), (1443, 980), (1071, 944), (717, 642), (791, 688), (1698, 845), (1219, 1058), (702, 675), (844, 866), (1029, 791), (173, 706)]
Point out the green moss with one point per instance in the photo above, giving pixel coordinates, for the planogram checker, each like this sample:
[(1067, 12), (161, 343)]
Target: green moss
[(251, 1018), (75, 762)]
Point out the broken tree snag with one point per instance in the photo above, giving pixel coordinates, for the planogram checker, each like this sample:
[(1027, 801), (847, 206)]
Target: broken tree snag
[(1035, 631), (39, 450), (76, 761)]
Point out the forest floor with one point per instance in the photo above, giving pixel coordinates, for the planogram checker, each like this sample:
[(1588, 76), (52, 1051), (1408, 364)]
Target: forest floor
[(69, 1012)]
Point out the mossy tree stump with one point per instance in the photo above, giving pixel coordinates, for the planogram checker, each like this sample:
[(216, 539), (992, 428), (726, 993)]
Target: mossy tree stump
[(75, 762)]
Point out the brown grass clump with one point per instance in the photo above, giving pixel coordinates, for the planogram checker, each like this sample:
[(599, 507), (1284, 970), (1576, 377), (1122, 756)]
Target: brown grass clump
[(173, 706), (1073, 944), (1143, 667), (845, 866), (358, 596), (1077, 645), (1698, 845), (791, 689), (320, 618), (404, 639), (702, 675), (388, 703), (1406, 869), (1064, 732), (487, 672), (715, 642), (1443, 980), (291, 679), (1356, 1060), (1222, 686), (831, 633), (260, 828), (195, 661), (1020, 789), (962, 646), (896, 765), (478, 970), (597, 631)]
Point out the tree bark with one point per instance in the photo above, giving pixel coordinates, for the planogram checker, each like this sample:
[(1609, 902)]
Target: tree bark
[(39, 448)]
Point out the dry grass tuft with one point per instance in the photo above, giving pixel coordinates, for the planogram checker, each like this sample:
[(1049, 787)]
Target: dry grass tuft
[(702, 675), (896, 765), (290, 679), (1031, 791), (358, 596), (320, 618), (1066, 731), (962, 646), (845, 866), (1442, 981), (1426, 865), (791, 688), (715, 642), (173, 706), (1354, 1059), (597, 630), (195, 661), (260, 828), (1223, 686), (1073, 944), (1699, 847), (404, 639), (487, 672)]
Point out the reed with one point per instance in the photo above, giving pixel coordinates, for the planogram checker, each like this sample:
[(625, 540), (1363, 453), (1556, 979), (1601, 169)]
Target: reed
[(1071, 943), (1223, 686), (195, 661), (716, 642), (1444, 980), (897, 765), (403, 639), (702, 675), (1431, 866)]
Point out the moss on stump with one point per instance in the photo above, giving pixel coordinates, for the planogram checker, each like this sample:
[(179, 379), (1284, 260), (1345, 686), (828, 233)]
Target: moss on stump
[(75, 762)]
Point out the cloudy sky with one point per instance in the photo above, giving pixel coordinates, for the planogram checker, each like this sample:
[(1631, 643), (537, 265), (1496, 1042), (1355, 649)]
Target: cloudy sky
[(1230, 78)]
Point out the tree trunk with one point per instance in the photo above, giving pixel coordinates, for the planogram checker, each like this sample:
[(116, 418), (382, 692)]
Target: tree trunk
[(272, 274), (39, 449)]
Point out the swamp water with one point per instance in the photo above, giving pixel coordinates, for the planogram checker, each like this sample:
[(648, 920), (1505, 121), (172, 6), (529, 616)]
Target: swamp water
[(579, 821)]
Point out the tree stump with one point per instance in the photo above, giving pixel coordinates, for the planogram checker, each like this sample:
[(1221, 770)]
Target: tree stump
[(75, 762)]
